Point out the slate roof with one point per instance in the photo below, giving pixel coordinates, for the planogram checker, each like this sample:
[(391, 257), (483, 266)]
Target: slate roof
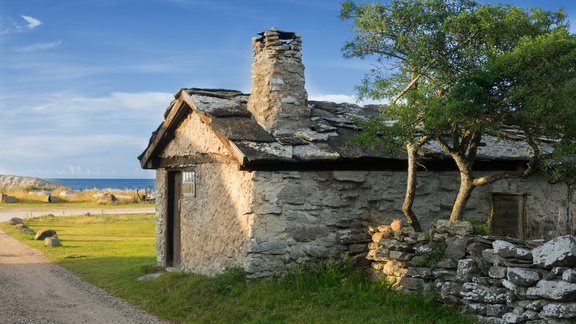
[(225, 112)]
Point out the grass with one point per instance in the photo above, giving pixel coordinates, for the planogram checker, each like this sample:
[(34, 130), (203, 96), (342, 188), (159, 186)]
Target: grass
[(115, 250), (83, 199)]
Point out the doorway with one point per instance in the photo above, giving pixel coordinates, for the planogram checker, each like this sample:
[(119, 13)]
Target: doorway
[(510, 214), (173, 246)]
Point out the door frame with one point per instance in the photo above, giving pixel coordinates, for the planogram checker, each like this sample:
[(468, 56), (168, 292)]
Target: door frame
[(173, 219)]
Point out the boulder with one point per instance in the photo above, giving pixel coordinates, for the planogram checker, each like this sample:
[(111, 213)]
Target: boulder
[(49, 199), (42, 234), (26, 230), (559, 252), (105, 197), (52, 241), (20, 226), (9, 199), (454, 227), (15, 221)]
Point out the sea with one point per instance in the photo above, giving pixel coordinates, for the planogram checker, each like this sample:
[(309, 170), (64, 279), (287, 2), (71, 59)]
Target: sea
[(122, 184)]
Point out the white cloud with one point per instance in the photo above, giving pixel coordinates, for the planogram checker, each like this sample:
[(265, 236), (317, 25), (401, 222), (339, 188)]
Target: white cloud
[(32, 22), (37, 47), (334, 98)]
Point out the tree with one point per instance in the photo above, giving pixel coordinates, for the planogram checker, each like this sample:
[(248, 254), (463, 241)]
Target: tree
[(442, 65)]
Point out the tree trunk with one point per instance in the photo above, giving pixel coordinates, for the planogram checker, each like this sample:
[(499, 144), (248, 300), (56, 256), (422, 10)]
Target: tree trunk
[(466, 187), (411, 188)]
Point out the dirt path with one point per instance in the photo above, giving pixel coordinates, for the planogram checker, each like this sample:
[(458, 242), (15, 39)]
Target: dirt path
[(7, 213), (34, 290)]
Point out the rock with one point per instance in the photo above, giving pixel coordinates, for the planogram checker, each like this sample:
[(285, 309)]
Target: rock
[(569, 276), (523, 276), (456, 247), (476, 248), (559, 252), (271, 247), (411, 283), (467, 269), (150, 276), (105, 197), (497, 272), (52, 241), (559, 310), (49, 199), (397, 225), (454, 228), (496, 310), (508, 250), (557, 290), (394, 268), (42, 234), (15, 221), (9, 199), (26, 230), (492, 295), (21, 226)]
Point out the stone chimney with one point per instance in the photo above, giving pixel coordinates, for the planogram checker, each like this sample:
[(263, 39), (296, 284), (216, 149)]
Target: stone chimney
[(278, 99)]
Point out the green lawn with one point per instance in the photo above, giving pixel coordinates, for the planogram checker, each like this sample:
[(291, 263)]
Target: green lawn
[(113, 251)]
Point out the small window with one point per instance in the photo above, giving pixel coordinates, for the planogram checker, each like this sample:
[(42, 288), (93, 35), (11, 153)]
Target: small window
[(189, 183)]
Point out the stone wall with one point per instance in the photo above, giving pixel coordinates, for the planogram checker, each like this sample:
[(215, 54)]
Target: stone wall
[(498, 279), (308, 216)]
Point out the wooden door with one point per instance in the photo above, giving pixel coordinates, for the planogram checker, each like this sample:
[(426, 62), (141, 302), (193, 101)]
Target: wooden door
[(509, 216), (173, 247)]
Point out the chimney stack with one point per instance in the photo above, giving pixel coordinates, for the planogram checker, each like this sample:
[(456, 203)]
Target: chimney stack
[(278, 99)]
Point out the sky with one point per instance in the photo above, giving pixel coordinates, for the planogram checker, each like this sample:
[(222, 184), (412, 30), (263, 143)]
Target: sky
[(83, 83)]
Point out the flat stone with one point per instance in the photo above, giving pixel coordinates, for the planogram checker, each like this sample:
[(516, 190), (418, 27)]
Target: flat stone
[(523, 276), (559, 252), (508, 250), (559, 310), (557, 290), (150, 276)]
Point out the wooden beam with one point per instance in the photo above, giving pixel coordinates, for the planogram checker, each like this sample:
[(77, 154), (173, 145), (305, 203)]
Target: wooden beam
[(177, 113), (199, 158)]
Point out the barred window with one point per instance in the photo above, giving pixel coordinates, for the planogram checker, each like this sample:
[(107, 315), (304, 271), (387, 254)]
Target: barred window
[(189, 183)]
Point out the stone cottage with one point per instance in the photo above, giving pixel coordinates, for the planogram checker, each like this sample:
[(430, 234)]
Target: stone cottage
[(264, 181)]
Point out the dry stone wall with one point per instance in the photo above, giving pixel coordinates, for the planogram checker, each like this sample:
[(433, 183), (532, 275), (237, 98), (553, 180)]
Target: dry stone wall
[(500, 279)]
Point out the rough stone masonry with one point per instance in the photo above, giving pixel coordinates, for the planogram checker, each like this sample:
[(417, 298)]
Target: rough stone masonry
[(499, 279)]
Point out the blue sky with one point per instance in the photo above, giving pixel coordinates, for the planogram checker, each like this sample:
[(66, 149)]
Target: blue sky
[(83, 83)]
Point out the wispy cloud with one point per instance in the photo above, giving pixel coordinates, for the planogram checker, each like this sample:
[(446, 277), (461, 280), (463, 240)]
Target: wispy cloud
[(19, 27), (32, 22), (37, 47)]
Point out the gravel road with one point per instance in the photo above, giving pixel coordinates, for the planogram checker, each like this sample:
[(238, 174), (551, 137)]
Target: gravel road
[(34, 290)]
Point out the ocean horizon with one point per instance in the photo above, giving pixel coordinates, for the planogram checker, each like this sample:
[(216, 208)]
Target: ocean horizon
[(101, 184)]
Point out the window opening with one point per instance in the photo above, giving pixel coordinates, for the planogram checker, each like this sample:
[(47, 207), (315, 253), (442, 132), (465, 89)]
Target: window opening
[(189, 183)]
